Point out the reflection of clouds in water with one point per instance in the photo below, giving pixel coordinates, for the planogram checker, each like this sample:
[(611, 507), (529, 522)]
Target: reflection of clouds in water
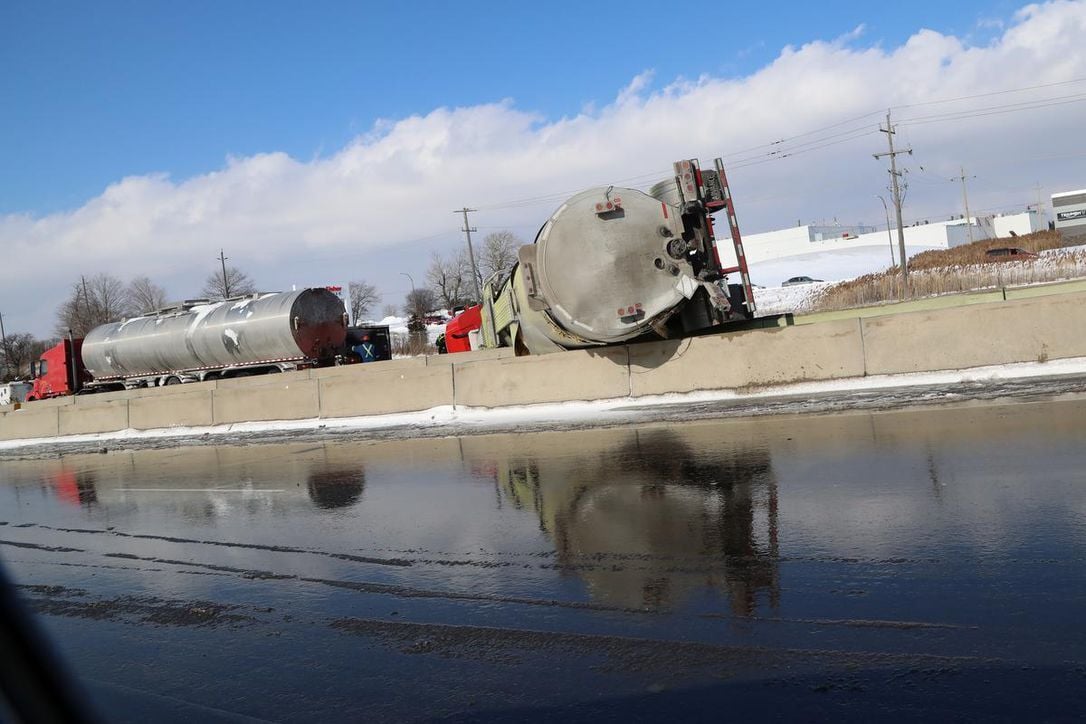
[(992, 478)]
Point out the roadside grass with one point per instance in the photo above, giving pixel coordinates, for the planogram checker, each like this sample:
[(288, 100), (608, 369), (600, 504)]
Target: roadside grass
[(960, 269)]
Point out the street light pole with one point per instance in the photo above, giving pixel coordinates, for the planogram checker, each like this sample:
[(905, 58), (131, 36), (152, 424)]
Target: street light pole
[(889, 237), (414, 299)]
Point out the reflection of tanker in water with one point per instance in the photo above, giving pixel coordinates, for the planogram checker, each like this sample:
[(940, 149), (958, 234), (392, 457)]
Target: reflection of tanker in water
[(204, 484), (649, 522), (336, 488)]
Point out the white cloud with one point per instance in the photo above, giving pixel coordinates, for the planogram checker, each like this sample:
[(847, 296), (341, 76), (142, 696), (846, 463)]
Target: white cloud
[(354, 213)]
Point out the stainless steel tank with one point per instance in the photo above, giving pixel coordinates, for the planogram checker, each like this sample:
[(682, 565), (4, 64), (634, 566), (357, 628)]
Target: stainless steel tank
[(276, 327), (598, 275)]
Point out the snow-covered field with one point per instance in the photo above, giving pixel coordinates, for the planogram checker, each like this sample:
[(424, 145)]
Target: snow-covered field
[(837, 266)]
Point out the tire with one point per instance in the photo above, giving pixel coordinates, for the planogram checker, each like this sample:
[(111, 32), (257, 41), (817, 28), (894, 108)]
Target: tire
[(173, 380)]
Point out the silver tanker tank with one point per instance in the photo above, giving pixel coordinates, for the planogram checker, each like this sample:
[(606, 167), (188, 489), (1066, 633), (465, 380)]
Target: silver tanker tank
[(610, 265), (275, 328)]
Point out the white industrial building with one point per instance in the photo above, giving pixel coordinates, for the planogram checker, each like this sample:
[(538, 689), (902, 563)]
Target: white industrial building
[(809, 238)]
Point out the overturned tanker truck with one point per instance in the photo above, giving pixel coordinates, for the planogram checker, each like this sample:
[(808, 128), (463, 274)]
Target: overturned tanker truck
[(198, 341), (613, 265)]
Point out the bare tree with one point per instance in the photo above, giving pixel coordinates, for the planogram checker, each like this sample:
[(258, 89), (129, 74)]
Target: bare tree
[(145, 296), (499, 253), (18, 350), (92, 301), (363, 296), (234, 284), (390, 310), (450, 279), (417, 304)]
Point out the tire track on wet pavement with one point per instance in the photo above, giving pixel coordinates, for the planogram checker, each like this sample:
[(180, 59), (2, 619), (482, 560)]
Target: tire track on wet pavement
[(409, 592), (612, 652), (398, 562)]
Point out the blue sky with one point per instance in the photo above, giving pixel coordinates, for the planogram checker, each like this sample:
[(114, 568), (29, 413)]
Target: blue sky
[(329, 142), (94, 92)]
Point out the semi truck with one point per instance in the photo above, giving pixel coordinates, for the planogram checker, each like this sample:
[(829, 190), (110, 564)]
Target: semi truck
[(199, 340), (613, 265)]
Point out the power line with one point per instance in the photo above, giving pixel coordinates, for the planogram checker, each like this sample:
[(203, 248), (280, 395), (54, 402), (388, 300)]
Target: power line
[(787, 147), (994, 110), (989, 94)]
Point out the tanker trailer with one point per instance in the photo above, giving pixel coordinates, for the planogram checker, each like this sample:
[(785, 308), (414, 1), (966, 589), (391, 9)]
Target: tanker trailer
[(202, 340), (615, 264)]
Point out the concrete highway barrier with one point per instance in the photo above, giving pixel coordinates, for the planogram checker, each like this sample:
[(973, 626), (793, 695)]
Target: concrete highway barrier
[(184, 408), (285, 396), (1029, 329), (373, 389), (30, 422), (748, 359), (598, 374), (89, 415)]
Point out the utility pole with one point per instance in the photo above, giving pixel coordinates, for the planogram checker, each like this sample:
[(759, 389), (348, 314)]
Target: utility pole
[(894, 174), (965, 199), (471, 254), (4, 339), (225, 281), (1040, 207)]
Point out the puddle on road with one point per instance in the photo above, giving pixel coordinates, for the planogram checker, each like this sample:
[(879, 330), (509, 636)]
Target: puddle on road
[(945, 532)]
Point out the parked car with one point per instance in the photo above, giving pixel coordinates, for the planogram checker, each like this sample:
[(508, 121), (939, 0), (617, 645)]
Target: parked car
[(799, 280), (1007, 253)]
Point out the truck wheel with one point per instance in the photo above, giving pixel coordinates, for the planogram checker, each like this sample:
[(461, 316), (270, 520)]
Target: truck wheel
[(174, 380)]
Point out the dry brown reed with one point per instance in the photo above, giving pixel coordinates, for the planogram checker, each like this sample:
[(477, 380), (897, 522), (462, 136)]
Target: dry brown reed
[(961, 269), (411, 344)]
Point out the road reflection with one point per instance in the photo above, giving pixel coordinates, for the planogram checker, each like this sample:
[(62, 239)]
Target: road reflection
[(209, 483), (650, 520), (336, 487)]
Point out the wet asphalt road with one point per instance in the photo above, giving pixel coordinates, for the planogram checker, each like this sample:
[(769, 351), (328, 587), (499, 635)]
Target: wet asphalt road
[(846, 565)]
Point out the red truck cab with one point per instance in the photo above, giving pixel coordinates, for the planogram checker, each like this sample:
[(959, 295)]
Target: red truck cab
[(59, 371), (456, 331)]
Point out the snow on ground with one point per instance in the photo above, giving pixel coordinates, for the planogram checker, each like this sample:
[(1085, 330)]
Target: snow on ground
[(397, 327), (831, 266), (841, 265), (1064, 251), (454, 420), (795, 298)]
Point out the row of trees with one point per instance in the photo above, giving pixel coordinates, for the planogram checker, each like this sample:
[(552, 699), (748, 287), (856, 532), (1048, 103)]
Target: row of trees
[(103, 298), (449, 281), (450, 277)]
